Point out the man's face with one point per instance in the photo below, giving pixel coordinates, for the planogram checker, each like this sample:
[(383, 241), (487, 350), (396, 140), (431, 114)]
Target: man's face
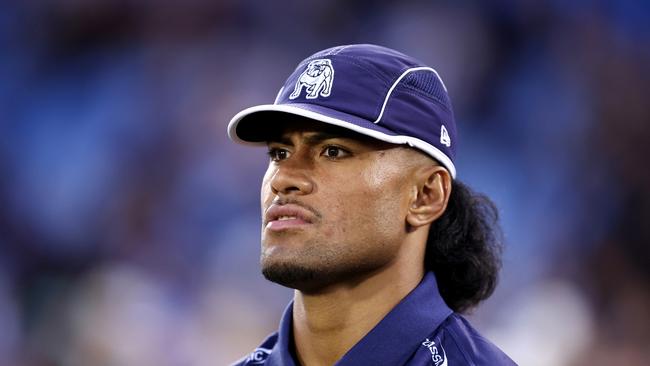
[(334, 205)]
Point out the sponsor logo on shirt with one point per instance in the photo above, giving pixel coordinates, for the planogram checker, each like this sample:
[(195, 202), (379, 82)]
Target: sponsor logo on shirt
[(439, 359), (258, 356)]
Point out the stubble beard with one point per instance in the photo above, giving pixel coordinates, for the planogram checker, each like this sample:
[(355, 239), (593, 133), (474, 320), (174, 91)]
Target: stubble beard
[(312, 270), (291, 275)]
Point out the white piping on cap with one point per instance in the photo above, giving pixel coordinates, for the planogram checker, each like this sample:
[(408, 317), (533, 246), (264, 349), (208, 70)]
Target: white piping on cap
[(390, 91), (399, 139), (277, 96)]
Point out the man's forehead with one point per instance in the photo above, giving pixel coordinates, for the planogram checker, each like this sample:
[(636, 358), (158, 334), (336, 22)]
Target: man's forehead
[(309, 129)]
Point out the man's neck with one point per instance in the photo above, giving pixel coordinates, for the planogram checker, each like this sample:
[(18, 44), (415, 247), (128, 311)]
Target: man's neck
[(328, 324)]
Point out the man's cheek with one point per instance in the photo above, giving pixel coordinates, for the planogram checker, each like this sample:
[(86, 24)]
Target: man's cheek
[(265, 192), (338, 219), (265, 189)]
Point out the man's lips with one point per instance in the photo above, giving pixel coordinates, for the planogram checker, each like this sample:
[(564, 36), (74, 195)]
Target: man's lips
[(287, 216)]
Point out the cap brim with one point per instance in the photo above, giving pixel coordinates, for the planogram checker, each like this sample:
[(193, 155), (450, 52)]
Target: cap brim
[(244, 129)]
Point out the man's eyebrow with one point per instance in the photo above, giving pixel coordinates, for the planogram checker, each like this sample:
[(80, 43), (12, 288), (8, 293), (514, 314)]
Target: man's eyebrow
[(311, 139), (282, 139), (319, 137)]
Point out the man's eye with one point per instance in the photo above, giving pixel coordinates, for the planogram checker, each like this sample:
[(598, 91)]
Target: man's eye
[(335, 152), (277, 154)]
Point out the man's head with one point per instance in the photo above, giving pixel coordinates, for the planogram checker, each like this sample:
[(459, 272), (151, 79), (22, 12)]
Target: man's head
[(361, 165), (338, 206)]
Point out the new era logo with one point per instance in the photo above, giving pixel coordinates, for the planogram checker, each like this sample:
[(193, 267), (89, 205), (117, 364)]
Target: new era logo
[(444, 136)]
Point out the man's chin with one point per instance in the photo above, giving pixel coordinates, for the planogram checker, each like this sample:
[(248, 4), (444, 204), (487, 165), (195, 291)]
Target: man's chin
[(296, 277)]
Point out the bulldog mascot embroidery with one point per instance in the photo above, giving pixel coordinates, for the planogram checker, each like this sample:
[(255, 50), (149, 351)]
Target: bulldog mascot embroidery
[(317, 80)]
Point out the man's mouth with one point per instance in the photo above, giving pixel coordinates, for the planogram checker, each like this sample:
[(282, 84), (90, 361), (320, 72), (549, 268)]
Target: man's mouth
[(280, 217), (284, 218)]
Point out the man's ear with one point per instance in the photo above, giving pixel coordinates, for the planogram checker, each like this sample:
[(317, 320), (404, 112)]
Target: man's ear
[(431, 194)]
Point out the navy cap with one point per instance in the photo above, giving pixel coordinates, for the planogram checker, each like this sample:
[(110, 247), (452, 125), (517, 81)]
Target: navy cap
[(369, 89)]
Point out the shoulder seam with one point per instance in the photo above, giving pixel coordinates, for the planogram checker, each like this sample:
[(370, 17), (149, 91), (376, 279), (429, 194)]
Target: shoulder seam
[(455, 338)]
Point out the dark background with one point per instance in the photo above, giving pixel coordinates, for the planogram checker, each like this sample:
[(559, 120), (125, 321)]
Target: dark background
[(129, 224)]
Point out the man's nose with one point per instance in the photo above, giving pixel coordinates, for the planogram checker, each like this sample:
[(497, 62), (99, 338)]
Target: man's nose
[(292, 176)]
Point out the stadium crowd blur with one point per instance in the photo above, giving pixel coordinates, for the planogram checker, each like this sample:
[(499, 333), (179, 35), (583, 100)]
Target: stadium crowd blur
[(129, 224)]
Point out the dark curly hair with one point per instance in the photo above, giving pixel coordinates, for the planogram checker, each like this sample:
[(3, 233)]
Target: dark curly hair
[(464, 248)]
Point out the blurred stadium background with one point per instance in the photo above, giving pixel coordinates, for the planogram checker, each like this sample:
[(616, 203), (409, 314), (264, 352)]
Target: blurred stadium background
[(129, 225)]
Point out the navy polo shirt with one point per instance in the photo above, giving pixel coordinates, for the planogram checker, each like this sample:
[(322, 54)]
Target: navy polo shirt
[(420, 330)]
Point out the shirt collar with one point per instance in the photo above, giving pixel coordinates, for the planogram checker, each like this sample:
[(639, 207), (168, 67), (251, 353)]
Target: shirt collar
[(282, 351), (398, 335), (392, 341)]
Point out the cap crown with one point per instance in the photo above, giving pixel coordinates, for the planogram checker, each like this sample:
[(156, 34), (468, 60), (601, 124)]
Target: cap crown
[(369, 89), (376, 84)]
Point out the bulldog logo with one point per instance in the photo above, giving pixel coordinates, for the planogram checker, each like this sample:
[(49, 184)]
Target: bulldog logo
[(317, 80)]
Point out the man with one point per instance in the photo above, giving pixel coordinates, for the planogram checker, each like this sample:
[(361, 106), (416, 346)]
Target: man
[(363, 217)]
